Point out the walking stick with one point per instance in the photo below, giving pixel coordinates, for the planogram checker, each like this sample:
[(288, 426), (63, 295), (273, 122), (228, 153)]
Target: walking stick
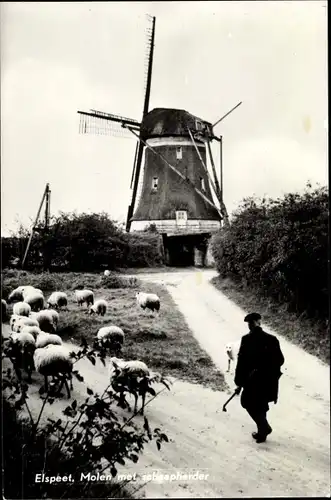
[(228, 401)]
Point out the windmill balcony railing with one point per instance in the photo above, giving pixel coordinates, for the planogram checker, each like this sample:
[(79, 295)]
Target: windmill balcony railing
[(171, 227)]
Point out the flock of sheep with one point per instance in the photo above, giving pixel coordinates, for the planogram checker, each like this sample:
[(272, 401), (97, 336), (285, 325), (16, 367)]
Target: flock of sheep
[(38, 347)]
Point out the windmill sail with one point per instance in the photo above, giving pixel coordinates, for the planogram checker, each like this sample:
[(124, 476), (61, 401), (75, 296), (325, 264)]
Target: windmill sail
[(150, 32), (101, 123), (148, 81)]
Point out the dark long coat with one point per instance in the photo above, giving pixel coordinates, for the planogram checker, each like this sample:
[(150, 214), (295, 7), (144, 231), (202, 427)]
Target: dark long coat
[(258, 365)]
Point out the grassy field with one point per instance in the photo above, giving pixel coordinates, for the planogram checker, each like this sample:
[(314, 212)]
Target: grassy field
[(162, 340), (313, 336)]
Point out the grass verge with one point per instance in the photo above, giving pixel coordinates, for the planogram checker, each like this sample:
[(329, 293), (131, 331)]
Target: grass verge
[(311, 335), (162, 340)]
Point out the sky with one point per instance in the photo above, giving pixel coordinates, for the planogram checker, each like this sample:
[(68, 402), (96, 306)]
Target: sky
[(57, 58)]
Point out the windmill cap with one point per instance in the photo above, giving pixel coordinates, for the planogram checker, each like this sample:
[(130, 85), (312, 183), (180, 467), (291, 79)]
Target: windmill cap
[(252, 317)]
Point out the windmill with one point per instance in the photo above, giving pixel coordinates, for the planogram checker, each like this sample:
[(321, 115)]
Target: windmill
[(175, 190)]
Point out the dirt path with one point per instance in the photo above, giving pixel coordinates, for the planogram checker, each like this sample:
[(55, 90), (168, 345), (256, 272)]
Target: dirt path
[(295, 461)]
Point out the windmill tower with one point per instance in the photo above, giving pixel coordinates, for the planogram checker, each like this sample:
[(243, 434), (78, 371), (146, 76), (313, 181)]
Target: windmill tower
[(174, 191)]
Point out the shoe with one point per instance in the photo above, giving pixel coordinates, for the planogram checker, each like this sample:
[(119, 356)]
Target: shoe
[(260, 438), (269, 431)]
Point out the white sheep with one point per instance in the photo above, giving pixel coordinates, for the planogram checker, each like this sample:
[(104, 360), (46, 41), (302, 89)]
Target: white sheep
[(23, 348), (86, 296), (55, 315), (31, 289), (99, 307), (54, 361), (22, 338), (13, 319), (110, 336), (47, 313), (106, 273), (35, 299), (33, 330), (22, 321), (46, 321), (232, 350), (136, 374), (21, 309), (149, 300), (57, 300), (17, 294), (4, 310), (44, 339)]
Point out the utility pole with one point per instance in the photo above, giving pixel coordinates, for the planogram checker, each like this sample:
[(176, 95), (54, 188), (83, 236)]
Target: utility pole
[(46, 250), (47, 207), (46, 196)]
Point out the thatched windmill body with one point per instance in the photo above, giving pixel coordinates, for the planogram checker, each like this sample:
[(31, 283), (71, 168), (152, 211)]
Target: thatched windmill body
[(173, 192)]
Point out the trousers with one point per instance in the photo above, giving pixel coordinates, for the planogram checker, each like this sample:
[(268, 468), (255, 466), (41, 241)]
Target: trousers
[(257, 408)]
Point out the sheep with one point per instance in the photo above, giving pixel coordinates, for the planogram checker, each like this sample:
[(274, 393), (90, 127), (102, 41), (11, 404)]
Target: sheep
[(86, 296), (48, 320), (45, 321), (4, 310), (23, 347), (57, 300), (31, 289), (54, 360), (99, 307), (149, 300), (55, 315), (110, 336), (106, 273), (13, 319), (21, 309), (33, 330), (35, 300), (232, 350), (136, 374), (17, 294), (44, 339), (22, 321), (22, 337)]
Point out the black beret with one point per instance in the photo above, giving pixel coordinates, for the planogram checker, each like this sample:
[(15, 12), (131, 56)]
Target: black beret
[(252, 317)]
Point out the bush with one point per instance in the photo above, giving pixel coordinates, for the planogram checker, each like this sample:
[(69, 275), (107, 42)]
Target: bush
[(83, 242), (23, 458), (143, 250), (89, 437), (280, 248)]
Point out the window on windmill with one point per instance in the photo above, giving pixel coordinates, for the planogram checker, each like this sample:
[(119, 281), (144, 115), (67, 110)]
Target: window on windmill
[(155, 183), (179, 153), (202, 183), (181, 216), (199, 125)]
